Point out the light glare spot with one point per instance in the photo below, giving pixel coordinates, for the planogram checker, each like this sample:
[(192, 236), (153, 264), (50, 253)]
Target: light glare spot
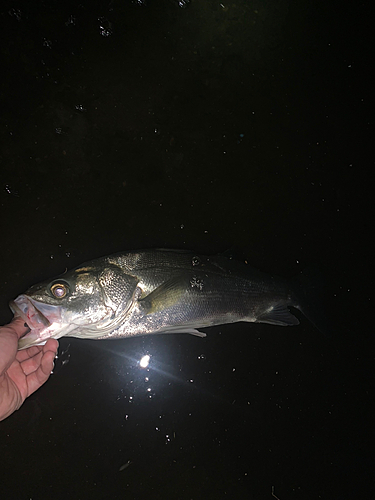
[(145, 360)]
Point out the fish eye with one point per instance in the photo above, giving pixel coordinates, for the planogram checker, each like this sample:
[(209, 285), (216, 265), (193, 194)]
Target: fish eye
[(59, 290)]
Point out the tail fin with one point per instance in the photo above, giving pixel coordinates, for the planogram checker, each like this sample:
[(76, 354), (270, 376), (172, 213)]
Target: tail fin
[(309, 289)]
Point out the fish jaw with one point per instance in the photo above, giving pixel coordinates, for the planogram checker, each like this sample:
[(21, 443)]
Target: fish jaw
[(45, 321)]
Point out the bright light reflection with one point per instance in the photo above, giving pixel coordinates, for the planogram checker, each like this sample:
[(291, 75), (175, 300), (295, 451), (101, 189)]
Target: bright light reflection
[(145, 360)]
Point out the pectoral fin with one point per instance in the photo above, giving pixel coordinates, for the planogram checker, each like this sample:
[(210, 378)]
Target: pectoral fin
[(164, 296), (182, 329)]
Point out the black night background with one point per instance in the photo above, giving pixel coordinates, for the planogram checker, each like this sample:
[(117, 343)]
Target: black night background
[(242, 126)]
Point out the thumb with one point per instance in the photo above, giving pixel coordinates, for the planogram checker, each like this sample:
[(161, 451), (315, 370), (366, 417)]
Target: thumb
[(9, 335)]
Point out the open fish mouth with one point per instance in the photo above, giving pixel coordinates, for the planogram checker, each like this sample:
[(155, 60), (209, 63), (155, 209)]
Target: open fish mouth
[(26, 308), (42, 319)]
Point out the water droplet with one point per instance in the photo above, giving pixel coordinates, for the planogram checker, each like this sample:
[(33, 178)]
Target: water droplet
[(15, 13), (71, 20), (196, 283), (195, 261), (105, 27), (80, 107)]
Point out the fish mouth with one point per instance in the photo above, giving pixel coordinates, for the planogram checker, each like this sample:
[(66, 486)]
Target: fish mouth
[(42, 319), (24, 307)]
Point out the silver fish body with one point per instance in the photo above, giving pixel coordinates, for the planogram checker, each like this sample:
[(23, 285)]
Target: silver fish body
[(152, 291)]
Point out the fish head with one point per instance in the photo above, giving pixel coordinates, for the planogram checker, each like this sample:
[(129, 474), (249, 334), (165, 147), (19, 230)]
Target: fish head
[(87, 302)]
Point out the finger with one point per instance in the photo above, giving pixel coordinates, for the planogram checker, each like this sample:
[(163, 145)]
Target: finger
[(30, 360), (8, 347), (18, 325), (41, 375), (31, 364), (51, 345), (28, 353)]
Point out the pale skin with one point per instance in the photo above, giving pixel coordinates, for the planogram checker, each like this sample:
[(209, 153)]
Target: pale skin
[(21, 372)]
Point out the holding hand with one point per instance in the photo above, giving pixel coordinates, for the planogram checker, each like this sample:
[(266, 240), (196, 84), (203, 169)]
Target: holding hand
[(21, 372)]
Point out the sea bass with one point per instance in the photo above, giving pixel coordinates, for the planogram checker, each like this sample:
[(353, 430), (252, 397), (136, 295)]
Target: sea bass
[(152, 291)]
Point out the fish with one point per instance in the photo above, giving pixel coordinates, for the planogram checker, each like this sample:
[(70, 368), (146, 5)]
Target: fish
[(154, 292)]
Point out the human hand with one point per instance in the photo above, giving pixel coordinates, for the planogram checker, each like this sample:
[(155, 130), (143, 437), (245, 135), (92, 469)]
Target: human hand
[(21, 372)]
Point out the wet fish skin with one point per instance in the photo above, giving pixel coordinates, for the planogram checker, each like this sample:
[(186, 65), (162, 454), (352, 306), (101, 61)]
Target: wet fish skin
[(152, 291)]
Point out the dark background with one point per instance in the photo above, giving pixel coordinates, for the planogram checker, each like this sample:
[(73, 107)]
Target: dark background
[(207, 126)]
